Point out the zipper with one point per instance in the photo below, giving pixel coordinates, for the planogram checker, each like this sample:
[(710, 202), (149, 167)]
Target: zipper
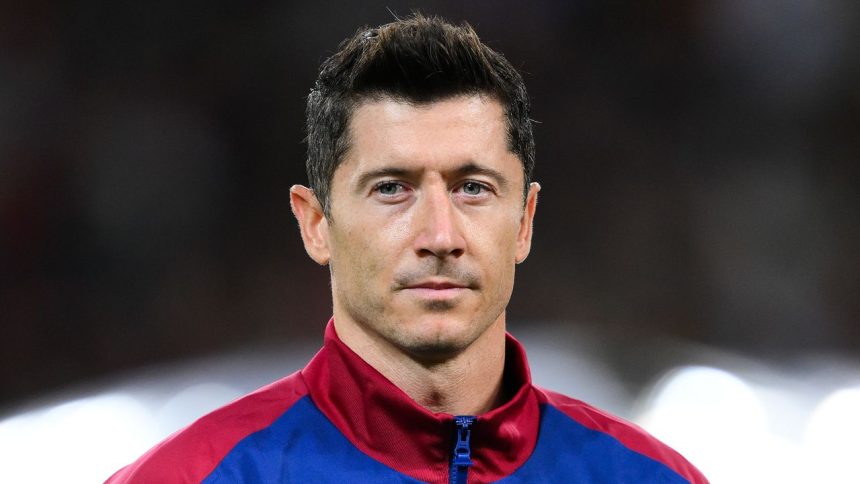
[(461, 457)]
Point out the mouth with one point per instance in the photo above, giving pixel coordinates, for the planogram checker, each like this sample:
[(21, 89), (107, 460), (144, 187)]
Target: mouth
[(437, 289)]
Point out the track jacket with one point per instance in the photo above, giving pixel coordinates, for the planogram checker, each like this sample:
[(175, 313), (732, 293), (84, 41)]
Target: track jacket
[(339, 420)]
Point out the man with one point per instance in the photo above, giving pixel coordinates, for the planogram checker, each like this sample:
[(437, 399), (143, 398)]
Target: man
[(420, 154)]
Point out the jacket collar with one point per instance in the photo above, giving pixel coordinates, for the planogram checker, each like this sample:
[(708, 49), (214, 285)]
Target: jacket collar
[(386, 424)]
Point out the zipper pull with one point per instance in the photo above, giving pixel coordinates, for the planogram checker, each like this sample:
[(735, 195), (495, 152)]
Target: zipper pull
[(462, 451)]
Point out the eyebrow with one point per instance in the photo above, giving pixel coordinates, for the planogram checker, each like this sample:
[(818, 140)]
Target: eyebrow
[(464, 170)]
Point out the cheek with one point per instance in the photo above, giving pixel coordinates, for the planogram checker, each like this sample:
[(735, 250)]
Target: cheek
[(344, 259), (362, 251), (397, 232), (498, 238), (495, 246)]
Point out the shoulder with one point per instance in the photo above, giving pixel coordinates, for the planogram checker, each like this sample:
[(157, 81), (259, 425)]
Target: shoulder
[(627, 434), (190, 454)]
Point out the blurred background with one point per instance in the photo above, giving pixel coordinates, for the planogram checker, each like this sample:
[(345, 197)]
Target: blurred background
[(695, 265)]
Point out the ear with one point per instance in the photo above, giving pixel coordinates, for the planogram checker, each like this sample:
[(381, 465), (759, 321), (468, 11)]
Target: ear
[(524, 235), (312, 223)]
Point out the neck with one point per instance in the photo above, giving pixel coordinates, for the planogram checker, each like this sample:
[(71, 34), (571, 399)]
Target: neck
[(466, 383)]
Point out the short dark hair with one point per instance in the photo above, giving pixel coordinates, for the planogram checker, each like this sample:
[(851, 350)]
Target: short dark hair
[(417, 60)]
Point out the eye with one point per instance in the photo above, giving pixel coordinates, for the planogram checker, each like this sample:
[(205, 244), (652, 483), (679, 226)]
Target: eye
[(389, 189), (473, 188)]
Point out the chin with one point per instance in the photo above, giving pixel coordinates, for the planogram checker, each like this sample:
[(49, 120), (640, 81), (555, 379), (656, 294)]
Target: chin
[(434, 351), (435, 336)]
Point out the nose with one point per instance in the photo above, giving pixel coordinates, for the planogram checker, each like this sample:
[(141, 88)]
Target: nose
[(439, 231)]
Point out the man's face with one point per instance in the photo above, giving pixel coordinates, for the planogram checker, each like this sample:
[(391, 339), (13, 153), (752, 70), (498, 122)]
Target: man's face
[(427, 223)]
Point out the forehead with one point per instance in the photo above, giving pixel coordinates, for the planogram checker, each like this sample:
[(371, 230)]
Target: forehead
[(451, 131)]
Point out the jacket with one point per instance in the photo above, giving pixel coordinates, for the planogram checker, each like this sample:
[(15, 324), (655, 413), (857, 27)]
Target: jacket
[(339, 420)]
